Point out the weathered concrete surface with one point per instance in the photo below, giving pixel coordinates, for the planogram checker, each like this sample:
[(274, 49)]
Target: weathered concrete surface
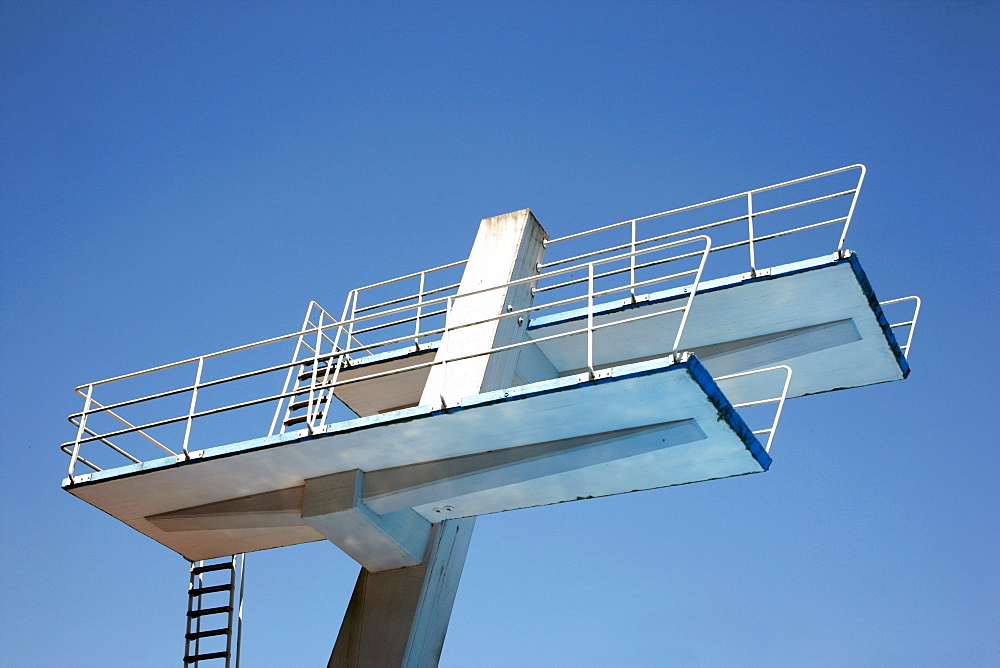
[(400, 617)]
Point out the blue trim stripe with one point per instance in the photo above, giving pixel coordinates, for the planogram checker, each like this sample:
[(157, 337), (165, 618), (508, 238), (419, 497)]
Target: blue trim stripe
[(679, 293), (726, 411), (869, 292), (691, 364)]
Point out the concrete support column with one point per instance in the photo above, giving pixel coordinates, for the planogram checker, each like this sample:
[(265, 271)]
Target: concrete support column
[(399, 617)]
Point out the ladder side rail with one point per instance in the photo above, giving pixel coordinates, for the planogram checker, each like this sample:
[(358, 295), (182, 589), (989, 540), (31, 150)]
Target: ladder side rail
[(232, 603), (239, 614), (306, 321), (307, 326)]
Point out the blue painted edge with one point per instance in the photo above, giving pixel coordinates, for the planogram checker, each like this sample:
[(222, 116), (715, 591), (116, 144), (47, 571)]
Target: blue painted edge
[(693, 366), (883, 322), (677, 293), (394, 354), (726, 411), (791, 269)]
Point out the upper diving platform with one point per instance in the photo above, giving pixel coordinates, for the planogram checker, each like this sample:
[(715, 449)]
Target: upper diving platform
[(818, 316), (637, 355)]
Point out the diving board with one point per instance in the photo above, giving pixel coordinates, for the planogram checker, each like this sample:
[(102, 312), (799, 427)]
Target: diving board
[(820, 317), (639, 426)]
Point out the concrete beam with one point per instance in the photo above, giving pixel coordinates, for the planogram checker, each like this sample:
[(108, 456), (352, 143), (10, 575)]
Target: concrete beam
[(400, 617), (419, 484), (333, 506)]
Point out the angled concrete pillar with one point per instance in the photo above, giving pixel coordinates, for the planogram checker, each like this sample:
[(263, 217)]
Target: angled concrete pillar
[(399, 617)]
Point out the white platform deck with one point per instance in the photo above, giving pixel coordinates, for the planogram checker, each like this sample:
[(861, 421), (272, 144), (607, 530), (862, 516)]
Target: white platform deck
[(640, 426), (818, 316)]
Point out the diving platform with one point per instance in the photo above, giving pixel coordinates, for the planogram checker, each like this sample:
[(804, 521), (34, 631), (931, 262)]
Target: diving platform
[(633, 365), (818, 316), (639, 426)]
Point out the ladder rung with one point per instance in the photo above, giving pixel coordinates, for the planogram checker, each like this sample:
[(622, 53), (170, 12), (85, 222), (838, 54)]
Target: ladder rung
[(195, 635), (305, 402), (206, 657), (199, 591), (212, 567), (296, 420), (307, 375), (209, 611)]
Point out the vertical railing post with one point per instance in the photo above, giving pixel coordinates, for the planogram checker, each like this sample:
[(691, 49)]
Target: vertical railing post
[(632, 265), (781, 405), (352, 299), (693, 289), (420, 303), (850, 212), (194, 401), (80, 431), (753, 259), (239, 609), (449, 306), (590, 318)]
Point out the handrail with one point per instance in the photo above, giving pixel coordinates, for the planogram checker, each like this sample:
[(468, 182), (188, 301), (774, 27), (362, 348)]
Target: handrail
[(911, 323), (718, 200), (316, 340), (780, 399), (325, 383), (750, 217)]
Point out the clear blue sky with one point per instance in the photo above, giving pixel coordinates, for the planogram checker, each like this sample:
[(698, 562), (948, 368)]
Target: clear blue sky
[(179, 177)]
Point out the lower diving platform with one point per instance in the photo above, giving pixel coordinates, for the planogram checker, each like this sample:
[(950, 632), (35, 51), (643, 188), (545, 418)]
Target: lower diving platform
[(630, 427)]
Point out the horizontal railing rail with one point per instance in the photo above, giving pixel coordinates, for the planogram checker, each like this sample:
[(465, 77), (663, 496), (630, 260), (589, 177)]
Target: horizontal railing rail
[(425, 309), (320, 325), (911, 324), (779, 399), (751, 239)]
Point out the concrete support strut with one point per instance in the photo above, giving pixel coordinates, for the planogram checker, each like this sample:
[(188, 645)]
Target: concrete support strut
[(399, 617)]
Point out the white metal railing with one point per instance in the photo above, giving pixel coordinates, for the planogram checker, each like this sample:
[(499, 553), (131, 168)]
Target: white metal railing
[(335, 341), (430, 301), (779, 399), (423, 298), (910, 324), (322, 337), (315, 349), (751, 239)]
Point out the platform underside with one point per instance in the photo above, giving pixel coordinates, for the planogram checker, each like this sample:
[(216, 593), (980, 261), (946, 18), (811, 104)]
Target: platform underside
[(641, 426), (818, 316)]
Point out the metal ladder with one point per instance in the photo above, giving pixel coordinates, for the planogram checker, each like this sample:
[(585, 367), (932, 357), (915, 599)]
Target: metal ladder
[(312, 392), (215, 600), (317, 355)]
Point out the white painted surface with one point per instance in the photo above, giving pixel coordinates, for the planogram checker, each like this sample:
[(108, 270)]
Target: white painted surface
[(333, 506), (578, 411), (817, 321)]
